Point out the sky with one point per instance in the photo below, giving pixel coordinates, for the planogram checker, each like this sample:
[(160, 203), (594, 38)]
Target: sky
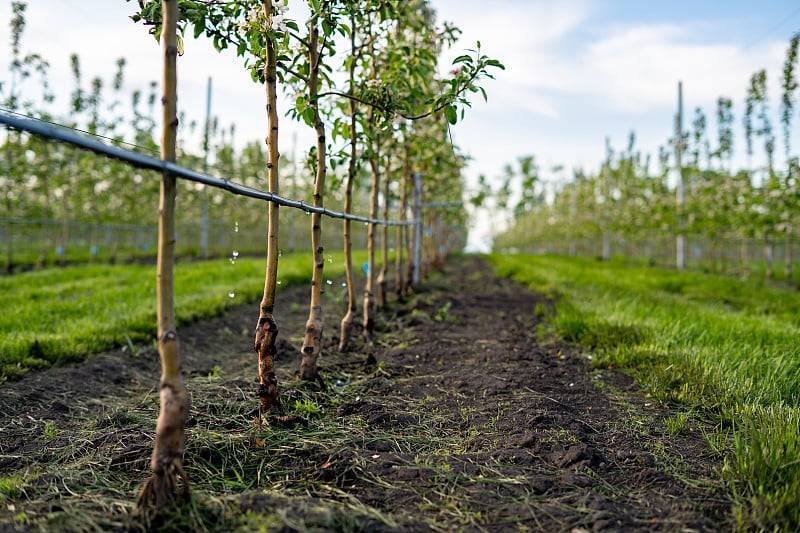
[(577, 72)]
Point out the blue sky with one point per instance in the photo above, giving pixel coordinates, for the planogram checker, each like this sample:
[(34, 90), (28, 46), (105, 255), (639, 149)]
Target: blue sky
[(578, 71)]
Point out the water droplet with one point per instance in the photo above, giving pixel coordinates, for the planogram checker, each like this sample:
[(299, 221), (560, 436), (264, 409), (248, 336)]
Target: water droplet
[(235, 253), (231, 294), (279, 282), (232, 260), (344, 284), (330, 259), (236, 227), (329, 282), (307, 212), (280, 253)]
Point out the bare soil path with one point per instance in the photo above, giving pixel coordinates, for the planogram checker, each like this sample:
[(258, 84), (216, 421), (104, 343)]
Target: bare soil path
[(473, 419)]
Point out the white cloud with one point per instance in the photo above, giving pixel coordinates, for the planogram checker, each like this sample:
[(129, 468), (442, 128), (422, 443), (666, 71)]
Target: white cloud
[(636, 68)]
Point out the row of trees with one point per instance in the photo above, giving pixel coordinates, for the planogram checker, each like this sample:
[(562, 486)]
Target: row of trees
[(365, 78), (48, 190), (627, 200), (386, 119)]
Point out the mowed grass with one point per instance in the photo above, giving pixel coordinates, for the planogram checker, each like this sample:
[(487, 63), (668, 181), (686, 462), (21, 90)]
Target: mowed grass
[(716, 348), (64, 314)]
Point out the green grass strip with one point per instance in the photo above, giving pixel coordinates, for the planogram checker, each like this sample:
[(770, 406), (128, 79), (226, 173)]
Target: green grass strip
[(64, 314), (723, 348)]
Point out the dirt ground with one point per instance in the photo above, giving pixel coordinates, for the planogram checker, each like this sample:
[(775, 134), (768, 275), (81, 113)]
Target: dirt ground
[(473, 418)]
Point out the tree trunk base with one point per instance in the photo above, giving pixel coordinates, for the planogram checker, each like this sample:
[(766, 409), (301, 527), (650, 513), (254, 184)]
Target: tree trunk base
[(345, 331), (266, 335), (382, 292), (312, 346), (162, 487)]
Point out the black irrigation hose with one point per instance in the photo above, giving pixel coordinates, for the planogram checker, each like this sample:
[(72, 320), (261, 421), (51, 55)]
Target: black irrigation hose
[(64, 135)]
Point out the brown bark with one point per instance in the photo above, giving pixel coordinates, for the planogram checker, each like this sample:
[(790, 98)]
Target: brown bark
[(267, 327), (402, 231), (382, 275), (347, 320), (312, 342), (369, 295), (167, 458)]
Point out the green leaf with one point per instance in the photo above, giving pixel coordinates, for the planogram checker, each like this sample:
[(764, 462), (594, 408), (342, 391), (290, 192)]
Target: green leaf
[(451, 114), (199, 27), (308, 116)]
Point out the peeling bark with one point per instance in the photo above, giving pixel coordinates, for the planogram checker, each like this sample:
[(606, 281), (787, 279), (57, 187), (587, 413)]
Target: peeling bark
[(267, 327), (266, 335)]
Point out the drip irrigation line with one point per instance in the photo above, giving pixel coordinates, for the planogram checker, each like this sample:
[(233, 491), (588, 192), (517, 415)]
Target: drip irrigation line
[(55, 132), (89, 133)]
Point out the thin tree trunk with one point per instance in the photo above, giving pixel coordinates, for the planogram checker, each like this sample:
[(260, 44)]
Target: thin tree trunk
[(369, 295), (347, 320), (267, 327), (312, 342), (167, 458), (383, 274), (48, 215), (606, 253), (745, 251), (400, 278)]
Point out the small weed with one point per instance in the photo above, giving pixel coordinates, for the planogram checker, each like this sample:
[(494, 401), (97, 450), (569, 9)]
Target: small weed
[(214, 372), (307, 407), (444, 468), (677, 423), (11, 488), (718, 442), (50, 430), (443, 314)]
